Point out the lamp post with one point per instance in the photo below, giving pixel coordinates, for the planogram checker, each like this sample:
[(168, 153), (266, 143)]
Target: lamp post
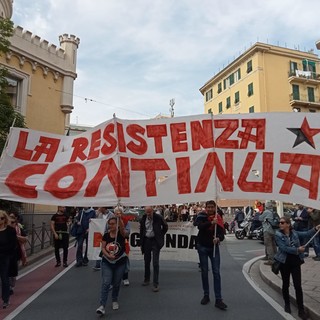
[(171, 103), (318, 44)]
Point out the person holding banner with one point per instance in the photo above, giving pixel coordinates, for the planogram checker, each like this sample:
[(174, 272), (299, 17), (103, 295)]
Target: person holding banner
[(59, 226), (113, 262), (211, 233), (105, 214), (152, 230), (291, 256), (118, 212), (83, 219)]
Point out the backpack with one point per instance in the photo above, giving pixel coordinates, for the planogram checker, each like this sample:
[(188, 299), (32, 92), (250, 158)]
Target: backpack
[(275, 220)]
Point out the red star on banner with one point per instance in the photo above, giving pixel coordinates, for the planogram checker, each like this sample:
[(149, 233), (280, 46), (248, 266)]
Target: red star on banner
[(304, 134)]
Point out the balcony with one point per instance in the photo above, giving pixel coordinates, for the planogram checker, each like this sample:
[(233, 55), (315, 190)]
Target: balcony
[(302, 100), (304, 77)]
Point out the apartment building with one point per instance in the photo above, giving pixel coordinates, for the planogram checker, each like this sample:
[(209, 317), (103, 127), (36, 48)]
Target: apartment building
[(265, 78)]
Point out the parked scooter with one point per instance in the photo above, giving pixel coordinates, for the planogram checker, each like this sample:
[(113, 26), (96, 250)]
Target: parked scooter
[(245, 229)]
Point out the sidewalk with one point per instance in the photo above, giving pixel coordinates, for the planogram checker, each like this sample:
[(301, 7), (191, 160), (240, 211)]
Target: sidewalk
[(310, 284)]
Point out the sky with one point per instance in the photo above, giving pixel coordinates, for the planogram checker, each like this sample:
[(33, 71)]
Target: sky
[(135, 56)]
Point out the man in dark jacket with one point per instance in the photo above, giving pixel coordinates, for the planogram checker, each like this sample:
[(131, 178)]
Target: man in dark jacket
[(152, 231), (211, 232)]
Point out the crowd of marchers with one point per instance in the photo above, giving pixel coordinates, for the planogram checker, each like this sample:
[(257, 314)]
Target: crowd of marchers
[(287, 240)]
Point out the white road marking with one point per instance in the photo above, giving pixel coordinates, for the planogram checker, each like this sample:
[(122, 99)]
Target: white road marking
[(273, 303)]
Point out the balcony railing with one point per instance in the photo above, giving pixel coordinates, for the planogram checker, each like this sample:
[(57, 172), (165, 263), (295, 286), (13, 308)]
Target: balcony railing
[(303, 99), (304, 74)]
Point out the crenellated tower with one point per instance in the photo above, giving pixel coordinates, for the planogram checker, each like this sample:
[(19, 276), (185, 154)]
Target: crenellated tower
[(6, 9), (70, 46)]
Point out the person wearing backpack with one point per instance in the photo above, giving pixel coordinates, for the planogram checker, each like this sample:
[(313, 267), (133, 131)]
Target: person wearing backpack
[(268, 232)]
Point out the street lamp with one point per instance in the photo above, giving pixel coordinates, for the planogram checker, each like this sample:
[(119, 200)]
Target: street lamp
[(318, 44)]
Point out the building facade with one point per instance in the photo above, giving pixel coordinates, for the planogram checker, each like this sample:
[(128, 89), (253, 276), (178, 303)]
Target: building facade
[(265, 78), (41, 76)]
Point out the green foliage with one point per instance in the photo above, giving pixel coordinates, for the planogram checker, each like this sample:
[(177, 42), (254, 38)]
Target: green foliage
[(7, 113), (6, 31)]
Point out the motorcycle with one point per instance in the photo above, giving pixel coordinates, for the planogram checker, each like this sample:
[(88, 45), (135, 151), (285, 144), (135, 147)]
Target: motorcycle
[(245, 230)]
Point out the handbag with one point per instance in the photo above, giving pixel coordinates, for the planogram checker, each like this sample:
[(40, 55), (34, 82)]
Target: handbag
[(276, 266), (76, 229)]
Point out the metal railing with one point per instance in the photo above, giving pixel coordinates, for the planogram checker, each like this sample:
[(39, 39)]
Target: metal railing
[(39, 238)]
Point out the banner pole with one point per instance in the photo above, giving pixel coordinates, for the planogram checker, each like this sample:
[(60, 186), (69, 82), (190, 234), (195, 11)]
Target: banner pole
[(215, 198)]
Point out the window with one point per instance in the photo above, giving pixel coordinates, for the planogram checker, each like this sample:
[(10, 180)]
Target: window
[(309, 65), (209, 95), (236, 97), (18, 90), (311, 94), (251, 109), (220, 107), (224, 84), (231, 79), (250, 89), (228, 102), (237, 75), (249, 66), (293, 68), (219, 87), (209, 110), (12, 91), (295, 92)]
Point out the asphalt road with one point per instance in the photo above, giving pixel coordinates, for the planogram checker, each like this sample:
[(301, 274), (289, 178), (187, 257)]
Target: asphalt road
[(75, 294)]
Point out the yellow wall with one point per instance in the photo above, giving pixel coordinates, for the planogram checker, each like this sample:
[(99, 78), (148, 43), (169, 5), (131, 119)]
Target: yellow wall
[(43, 110), (272, 85)]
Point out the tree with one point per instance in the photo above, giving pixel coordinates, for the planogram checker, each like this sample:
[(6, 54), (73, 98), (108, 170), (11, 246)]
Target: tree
[(7, 113)]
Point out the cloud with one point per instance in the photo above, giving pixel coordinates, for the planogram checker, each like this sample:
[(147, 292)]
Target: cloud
[(138, 55)]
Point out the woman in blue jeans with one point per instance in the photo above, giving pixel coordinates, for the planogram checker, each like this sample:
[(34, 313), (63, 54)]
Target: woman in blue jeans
[(113, 262)]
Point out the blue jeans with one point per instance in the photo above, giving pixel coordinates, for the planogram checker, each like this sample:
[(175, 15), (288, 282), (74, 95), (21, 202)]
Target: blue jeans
[(80, 240), (111, 274), (4, 275), (316, 244), (206, 253)]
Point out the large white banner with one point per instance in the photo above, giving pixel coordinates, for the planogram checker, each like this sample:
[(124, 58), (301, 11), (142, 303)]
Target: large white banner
[(163, 161), (180, 241)]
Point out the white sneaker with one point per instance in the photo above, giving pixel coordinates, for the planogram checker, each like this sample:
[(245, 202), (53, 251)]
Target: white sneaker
[(101, 311), (115, 305), (126, 282)]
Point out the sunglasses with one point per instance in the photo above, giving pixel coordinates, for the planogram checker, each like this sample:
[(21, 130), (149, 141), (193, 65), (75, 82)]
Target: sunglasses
[(282, 222), (2, 218)]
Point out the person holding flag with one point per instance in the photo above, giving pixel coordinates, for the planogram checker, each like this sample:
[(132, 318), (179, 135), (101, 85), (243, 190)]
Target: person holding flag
[(211, 233)]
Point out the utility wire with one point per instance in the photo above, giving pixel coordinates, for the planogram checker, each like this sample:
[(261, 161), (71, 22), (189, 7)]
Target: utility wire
[(103, 103)]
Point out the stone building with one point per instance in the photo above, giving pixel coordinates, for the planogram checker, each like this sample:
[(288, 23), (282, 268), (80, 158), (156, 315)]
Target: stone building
[(41, 78)]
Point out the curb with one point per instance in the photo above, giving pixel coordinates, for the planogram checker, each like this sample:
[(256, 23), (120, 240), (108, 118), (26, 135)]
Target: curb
[(275, 282)]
